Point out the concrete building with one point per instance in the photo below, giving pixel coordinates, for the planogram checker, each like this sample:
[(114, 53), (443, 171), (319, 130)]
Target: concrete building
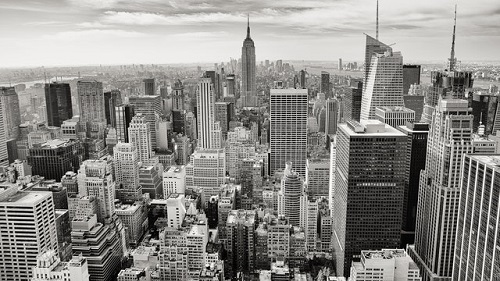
[(240, 244), (149, 86), (112, 99), (126, 165), (394, 116), (478, 226), (209, 133), (150, 180), (135, 220), (369, 187), (278, 239), (29, 229), (332, 116), (384, 83), (291, 190), (248, 68), (386, 264), (91, 102), (207, 168), (174, 181), (50, 268), (352, 101), (411, 76), (450, 138), (288, 129), (150, 108), (318, 177), (176, 210), (123, 116), (140, 136)]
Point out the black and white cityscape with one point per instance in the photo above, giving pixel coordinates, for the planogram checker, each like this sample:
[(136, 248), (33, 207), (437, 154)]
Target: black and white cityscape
[(322, 140)]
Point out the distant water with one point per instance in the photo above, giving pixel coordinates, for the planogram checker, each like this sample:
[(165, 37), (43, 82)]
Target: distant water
[(31, 83)]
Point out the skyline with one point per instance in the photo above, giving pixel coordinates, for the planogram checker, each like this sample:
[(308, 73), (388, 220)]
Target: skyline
[(89, 32)]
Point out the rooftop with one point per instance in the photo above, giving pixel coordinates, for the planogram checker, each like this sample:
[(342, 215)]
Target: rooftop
[(24, 198), (372, 128), (384, 254)]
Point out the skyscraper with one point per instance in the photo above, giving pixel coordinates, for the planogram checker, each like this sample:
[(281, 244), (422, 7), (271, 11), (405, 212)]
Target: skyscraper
[(291, 190), (478, 230), (450, 138), (411, 75), (394, 115), (112, 99), (4, 153), (126, 161), (332, 115), (91, 102), (150, 107), (28, 229), (249, 85), (325, 83), (149, 87), (58, 101), (352, 101), (209, 132), (11, 113), (140, 136), (384, 83), (369, 189), (178, 96), (240, 244), (373, 46), (124, 114), (288, 129), (95, 179), (416, 149)]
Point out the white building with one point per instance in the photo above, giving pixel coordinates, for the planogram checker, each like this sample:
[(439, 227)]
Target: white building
[(28, 229), (174, 180), (394, 115), (140, 136), (126, 165), (385, 265), (209, 131), (50, 268), (176, 210), (384, 83), (207, 168), (288, 129)]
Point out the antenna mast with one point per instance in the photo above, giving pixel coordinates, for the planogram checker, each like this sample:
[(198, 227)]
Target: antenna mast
[(377, 23), (452, 55)]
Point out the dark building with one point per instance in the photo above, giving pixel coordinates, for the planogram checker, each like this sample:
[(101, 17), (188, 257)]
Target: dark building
[(58, 102), (12, 150), (302, 79), (325, 83), (124, 114), (70, 182), (416, 151), (63, 230), (178, 96), (415, 103), (485, 110), (224, 113), (149, 87), (59, 193), (56, 157), (179, 121), (448, 84), (212, 212), (352, 100), (240, 243), (151, 181), (111, 100), (411, 75), (331, 116), (369, 190), (231, 86)]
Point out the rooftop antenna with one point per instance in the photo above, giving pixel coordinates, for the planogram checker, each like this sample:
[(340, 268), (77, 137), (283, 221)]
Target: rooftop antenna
[(248, 25), (377, 23), (452, 55)]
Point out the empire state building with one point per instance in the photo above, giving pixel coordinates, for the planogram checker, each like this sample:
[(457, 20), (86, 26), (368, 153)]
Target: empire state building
[(249, 87)]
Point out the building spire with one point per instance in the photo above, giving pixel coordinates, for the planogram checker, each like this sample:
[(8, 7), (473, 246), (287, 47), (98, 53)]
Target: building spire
[(452, 55), (377, 23), (248, 25)]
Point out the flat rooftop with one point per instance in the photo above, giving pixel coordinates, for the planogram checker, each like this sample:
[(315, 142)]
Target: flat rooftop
[(372, 128), (24, 198), (384, 254)]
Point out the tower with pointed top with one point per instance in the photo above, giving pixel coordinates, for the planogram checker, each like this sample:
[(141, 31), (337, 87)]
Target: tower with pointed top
[(249, 86)]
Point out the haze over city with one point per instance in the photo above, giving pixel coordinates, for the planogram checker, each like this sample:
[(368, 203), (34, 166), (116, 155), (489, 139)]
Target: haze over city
[(71, 32)]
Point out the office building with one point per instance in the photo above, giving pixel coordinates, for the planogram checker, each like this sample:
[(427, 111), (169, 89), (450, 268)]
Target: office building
[(453, 84), (248, 68), (385, 264), (325, 83), (149, 86), (126, 165), (291, 190), (318, 177), (340, 65), (124, 114), (100, 244), (476, 253), (4, 153), (132, 274), (10, 111), (140, 136), (112, 99), (50, 268), (58, 102), (416, 151), (384, 83), (394, 116), (176, 209), (207, 168), (415, 103), (54, 158), (91, 102), (288, 129), (29, 229), (95, 179), (135, 220), (485, 109), (352, 101), (231, 86), (369, 187), (278, 238), (240, 244), (178, 96), (150, 180), (450, 138), (150, 108), (332, 116), (224, 113), (209, 132), (411, 76), (372, 47)]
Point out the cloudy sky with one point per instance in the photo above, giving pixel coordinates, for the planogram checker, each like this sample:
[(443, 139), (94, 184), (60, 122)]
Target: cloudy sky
[(76, 32)]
